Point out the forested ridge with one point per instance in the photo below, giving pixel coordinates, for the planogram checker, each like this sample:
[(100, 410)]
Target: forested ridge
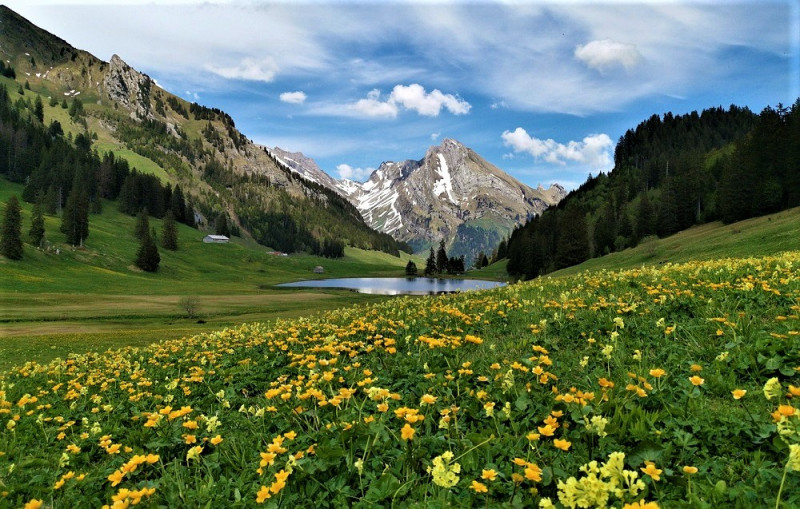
[(60, 171), (670, 172)]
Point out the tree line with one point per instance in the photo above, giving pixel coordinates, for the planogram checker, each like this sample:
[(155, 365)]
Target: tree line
[(670, 172)]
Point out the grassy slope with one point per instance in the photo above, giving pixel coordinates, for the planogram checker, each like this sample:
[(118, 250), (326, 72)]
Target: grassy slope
[(753, 237)]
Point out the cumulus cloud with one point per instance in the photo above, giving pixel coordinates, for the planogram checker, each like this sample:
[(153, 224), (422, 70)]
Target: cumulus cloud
[(249, 69), (293, 97), (348, 172), (410, 97), (593, 150), (606, 54), (435, 136), (372, 106), (430, 104)]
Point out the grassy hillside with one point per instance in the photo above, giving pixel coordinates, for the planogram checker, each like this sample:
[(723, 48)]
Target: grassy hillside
[(674, 386), (52, 304), (752, 237)]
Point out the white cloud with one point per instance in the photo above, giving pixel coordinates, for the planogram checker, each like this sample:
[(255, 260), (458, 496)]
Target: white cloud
[(293, 97), (248, 68), (435, 136), (411, 97), (606, 54), (593, 151), (372, 106), (348, 172), (430, 104)]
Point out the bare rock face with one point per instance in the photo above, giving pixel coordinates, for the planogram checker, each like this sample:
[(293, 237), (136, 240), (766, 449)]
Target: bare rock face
[(129, 88), (452, 194)]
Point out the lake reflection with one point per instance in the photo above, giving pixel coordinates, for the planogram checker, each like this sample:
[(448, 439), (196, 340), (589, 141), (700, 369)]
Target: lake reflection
[(398, 285)]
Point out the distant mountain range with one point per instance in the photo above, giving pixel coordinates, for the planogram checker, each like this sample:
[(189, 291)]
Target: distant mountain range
[(451, 194)]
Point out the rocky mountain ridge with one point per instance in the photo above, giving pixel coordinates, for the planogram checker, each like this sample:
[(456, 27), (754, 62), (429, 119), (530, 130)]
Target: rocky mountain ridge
[(451, 194)]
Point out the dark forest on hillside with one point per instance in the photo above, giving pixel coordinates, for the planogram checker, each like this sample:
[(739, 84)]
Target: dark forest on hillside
[(670, 172)]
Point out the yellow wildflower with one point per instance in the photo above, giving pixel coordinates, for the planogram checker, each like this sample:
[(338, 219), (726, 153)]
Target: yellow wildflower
[(562, 444), (489, 475), (262, 495), (690, 469), (651, 470), (696, 380), (478, 487), (407, 432), (738, 393)]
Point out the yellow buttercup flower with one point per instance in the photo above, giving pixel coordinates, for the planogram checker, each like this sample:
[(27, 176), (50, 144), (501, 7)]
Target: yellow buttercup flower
[(489, 475), (738, 393), (562, 444), (651, 470), (657, 373), (696, 380), (407, 432), (690, 469), (478, 487), (427, 399)]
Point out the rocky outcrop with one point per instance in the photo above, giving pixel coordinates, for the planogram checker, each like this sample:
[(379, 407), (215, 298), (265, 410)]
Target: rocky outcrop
[(129, 88)]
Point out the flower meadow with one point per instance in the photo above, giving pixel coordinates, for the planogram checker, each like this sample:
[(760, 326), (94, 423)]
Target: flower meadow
[(674, 386)]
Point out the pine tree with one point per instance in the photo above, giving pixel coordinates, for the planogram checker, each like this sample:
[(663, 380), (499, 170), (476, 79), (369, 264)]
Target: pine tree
[(644, 218), (38, 108), (147, 257), (572, 246), (169, 235), (75, 219), (11, 240), (411, 268), (221, 225), (441, 258), (142, 224), (37, 225), (430, 264)]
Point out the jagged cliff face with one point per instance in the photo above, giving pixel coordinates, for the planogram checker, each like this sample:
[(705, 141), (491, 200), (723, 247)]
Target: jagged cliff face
[(452, 194), (128, 88)]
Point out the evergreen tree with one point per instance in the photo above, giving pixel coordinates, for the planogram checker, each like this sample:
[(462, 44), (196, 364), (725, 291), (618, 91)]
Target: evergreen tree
[(188, 216), (75, 219), (11, 240), (502, 250), (411, 268), (38, 108), (37, 224), (178, 205), (441, 258), (221, 225), (169, 235), (142, 224), (147, 257), (430, 264), (573, 239), (605, 231), (644, 218)]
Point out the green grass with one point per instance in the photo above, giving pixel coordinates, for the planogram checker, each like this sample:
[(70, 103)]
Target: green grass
[(81, 299), (759, 236), (645, 372)]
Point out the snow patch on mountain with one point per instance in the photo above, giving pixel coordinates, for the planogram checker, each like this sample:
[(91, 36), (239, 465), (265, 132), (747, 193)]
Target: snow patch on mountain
[(444, 184)]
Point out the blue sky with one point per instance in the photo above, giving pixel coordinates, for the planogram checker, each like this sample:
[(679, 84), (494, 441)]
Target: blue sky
[(541, 89)]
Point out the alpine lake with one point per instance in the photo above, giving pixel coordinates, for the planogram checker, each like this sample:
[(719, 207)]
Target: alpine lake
[(397, 285)]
